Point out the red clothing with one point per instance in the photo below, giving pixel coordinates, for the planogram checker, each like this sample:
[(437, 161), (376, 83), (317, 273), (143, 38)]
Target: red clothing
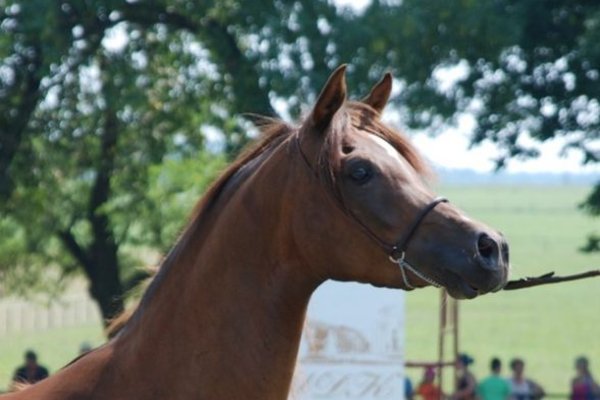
[(429, 391)]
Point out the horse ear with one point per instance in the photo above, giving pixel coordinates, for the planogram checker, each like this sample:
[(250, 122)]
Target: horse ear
[(380, 93), (331, 98)]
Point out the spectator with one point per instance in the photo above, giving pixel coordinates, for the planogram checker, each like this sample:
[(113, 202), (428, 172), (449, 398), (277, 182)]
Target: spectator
[(31, 372), (427, 389), (84, 348), (494, 387), (408, 388), (583, 386), (522, 388), (467, 384)]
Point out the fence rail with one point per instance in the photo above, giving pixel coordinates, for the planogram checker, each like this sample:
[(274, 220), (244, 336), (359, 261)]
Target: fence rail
[(19, 316)]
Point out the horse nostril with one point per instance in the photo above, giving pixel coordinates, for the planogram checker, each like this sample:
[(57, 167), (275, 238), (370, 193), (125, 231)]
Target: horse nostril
[(487, 247)]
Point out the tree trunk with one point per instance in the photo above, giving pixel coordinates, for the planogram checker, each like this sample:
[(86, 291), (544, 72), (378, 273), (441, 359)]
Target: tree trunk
[(105, 280), (105, 285), (100, 264)]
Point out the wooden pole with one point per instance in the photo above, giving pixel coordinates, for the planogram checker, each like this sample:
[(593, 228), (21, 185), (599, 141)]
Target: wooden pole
[(456, 342), (442, 333)]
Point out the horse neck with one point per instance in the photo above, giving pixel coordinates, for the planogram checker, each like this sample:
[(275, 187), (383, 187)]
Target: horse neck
[(227, 317)]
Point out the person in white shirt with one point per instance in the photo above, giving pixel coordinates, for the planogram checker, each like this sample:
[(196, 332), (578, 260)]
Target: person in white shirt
[(522, 388)]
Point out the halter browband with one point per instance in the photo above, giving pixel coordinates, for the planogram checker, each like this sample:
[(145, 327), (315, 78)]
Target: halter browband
[(397, 251)]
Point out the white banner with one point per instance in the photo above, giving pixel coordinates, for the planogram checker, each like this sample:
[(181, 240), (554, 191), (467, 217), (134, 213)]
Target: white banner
[(353, 345)]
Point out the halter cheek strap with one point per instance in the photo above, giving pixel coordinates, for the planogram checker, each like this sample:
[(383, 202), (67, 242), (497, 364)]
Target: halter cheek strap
[(397, 251)]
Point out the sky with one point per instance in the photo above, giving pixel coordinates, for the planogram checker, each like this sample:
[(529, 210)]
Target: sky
[(450, 149)]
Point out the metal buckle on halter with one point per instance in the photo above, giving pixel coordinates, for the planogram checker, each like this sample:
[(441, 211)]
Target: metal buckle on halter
[(405, 265), (402, 264), (393, 254)]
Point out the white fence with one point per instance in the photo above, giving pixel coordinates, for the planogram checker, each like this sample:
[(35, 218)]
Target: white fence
[(19, 316)]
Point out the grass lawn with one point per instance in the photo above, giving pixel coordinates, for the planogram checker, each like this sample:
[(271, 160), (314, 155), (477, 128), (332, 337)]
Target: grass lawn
[(55, 348), (547, 326)]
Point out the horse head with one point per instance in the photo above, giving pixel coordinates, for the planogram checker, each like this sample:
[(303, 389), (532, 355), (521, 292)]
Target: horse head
[(369, 214)]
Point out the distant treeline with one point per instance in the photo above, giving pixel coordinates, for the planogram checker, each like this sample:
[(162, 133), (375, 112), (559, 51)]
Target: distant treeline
[(471, 177)]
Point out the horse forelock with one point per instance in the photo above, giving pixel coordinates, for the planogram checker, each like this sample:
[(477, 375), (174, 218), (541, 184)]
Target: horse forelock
[(365, 118), (359, 116)]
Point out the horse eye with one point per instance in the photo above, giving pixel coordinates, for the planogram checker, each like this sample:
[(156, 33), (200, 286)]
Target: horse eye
[(347, 149), (361, 174)]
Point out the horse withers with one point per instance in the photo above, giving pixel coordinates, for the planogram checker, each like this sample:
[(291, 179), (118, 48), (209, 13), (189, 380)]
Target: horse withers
[(340, 196)]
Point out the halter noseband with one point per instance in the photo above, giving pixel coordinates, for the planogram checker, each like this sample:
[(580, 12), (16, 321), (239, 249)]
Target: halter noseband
[(397, 251)]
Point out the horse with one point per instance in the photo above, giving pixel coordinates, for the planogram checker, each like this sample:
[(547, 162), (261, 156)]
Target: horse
[(339, 196)]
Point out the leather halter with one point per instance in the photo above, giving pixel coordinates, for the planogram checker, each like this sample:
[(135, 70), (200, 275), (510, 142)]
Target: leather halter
[(397, 251)]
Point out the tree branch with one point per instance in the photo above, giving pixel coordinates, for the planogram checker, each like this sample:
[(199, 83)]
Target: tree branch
[(71, 244), (103, 235), (150, 14), (222, 44), (14, 123), (547, 279), (137, 278)]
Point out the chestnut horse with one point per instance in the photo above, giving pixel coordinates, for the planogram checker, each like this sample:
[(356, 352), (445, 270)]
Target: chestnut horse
[(341, 196)]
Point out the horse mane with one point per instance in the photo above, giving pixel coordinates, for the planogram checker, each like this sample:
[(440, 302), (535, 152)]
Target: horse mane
[(273, 133)]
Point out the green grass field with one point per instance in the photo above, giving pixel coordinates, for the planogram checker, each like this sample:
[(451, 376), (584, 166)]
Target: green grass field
[(547, 326), (55, 348)]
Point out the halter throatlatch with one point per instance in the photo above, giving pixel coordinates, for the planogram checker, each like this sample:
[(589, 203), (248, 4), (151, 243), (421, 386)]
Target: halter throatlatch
[(397, 251)]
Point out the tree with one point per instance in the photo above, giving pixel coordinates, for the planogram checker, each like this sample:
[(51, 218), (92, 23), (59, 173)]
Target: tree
[(86, 121), (96, 122)]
